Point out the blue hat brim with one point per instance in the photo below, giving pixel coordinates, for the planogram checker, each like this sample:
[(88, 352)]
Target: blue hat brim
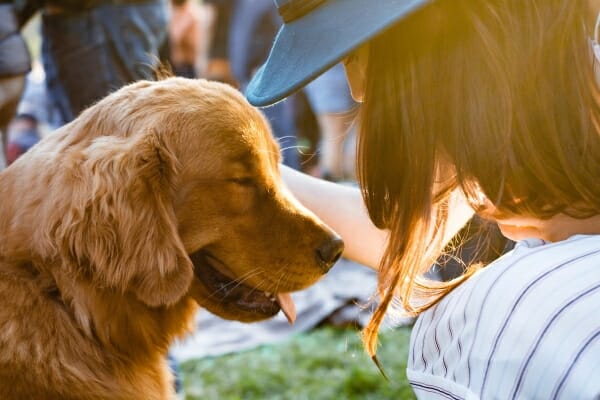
[(305, 48)]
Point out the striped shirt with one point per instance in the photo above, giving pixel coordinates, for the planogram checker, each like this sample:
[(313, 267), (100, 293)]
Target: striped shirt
[(525, 327)]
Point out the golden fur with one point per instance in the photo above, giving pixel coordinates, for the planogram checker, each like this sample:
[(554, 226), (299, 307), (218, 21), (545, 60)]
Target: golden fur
[(108, 224)]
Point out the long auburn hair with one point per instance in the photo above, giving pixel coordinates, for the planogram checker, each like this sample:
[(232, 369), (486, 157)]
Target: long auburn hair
[(496, 97)]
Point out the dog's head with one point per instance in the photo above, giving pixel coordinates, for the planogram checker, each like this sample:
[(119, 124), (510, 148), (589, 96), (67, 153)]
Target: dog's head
[(172, 188)]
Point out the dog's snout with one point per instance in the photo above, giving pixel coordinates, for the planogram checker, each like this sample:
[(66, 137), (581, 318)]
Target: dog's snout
[(329, 252)]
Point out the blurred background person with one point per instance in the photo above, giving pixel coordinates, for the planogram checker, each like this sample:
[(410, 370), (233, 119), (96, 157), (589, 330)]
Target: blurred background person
[(252, 28), (241, 36), (36, 115), (15, 62), (185, 38), (93, 47), (330, 100), (218, 67), (23, 133)]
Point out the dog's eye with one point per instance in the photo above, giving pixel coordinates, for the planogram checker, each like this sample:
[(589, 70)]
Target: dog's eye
[(243, 181)]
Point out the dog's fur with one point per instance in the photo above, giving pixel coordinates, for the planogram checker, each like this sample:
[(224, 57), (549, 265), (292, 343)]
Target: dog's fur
[(105, 224)]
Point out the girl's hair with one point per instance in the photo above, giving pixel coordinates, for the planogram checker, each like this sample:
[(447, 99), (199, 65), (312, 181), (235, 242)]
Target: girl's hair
[(491, 97)]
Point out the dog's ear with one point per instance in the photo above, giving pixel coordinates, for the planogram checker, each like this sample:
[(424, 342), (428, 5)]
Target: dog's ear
[(121, 229)]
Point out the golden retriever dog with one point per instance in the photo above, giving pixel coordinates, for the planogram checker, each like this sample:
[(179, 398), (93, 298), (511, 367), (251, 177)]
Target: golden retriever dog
[(162, 197)]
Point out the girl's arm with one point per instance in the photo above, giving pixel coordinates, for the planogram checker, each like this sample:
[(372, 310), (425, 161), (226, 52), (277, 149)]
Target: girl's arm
[(342, 208)]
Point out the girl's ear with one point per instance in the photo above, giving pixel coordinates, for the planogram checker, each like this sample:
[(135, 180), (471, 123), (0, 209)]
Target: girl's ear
[(356, 71), (120, 229), (596, 60)]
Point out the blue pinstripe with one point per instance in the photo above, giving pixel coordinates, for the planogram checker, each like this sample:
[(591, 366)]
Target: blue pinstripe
[(446, 356), (543, 334), (564, 378), (517, 302)]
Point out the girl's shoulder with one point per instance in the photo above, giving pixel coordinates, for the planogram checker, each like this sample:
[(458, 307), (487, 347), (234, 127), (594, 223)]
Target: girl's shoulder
[(534, 264), (525, 324)]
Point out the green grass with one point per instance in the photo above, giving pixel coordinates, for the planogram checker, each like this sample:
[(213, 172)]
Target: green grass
[(327, 363)]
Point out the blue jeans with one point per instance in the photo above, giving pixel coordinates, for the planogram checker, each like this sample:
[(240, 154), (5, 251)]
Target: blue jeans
[(89, 54)]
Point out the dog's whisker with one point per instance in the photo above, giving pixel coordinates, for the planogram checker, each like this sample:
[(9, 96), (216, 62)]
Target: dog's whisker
[(309, 159), (225, 287), (238, 281), (294, 147), (245, 277), (231, 285), (279, 139), (306, 153), (281, 277)]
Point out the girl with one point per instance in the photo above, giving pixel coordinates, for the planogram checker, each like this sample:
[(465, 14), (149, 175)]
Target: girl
[(481, 105)]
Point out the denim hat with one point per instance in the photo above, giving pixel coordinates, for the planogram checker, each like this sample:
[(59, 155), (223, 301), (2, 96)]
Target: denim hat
[(317, 34)]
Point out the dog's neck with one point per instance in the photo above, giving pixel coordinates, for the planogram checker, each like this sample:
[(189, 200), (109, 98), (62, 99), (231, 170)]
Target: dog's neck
[(118, 322), (121, 327)]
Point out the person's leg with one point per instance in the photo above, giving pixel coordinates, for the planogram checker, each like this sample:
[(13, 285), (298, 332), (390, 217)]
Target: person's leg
[(15, 62), (350, 153), (75, 61), (136, 33), (91, 53), (250, 36), (333, 129), (331, 101)]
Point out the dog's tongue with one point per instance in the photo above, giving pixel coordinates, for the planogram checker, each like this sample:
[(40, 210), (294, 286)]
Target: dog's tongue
[(287, 306)]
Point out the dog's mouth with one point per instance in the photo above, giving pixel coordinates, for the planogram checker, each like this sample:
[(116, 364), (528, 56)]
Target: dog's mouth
[(208, 269)]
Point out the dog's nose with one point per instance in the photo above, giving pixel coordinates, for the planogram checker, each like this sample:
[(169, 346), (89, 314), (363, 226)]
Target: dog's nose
[(329, 252)]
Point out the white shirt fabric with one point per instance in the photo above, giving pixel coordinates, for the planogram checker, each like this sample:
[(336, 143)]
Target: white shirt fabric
[(525, 327)]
